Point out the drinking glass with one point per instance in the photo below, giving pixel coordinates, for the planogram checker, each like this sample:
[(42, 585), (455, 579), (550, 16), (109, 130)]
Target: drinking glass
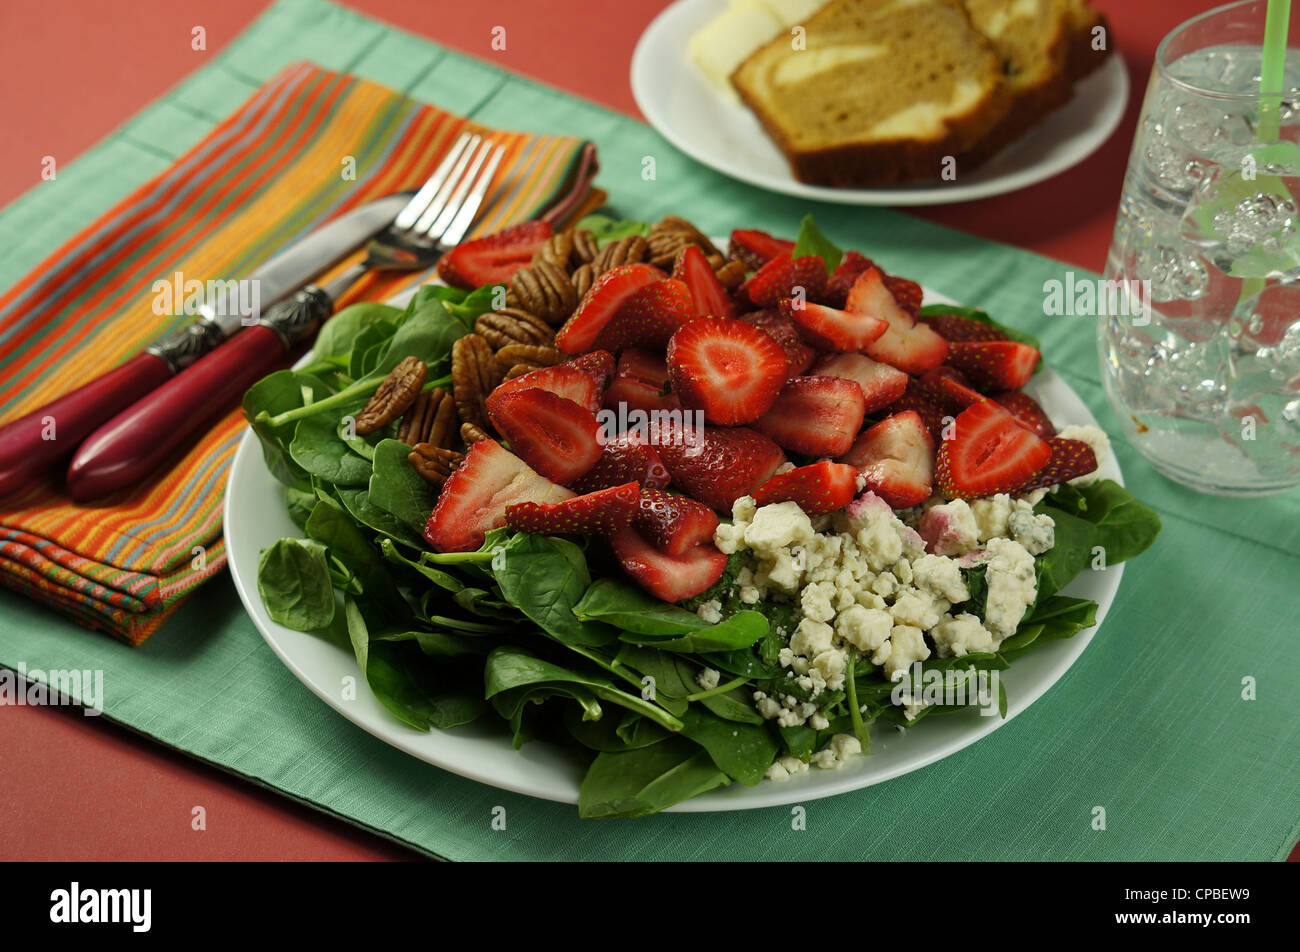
[(1201, 361)]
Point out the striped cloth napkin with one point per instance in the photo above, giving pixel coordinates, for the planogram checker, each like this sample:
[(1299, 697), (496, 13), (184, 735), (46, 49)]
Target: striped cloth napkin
[(272, 171)]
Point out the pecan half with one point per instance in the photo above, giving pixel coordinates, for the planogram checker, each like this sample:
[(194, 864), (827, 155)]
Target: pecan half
[(435, 464), (583, 277), (469, 433), (544, 290), (431, 419), (629, 250), (397, 392), (585, 248), (529, 354), (557, 249), (669, 235), (510, 325), (731, 274), (474, 373)]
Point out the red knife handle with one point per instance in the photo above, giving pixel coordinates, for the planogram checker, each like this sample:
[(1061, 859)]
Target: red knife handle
[(129, 447), (33, 443)]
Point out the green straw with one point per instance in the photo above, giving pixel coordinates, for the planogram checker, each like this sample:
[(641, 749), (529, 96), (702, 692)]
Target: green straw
[(1277, 24)]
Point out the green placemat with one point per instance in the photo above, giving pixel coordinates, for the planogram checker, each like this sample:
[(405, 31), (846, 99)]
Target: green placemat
[(1150, 723)]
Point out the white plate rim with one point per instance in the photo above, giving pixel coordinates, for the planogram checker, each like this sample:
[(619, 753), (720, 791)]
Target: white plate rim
[(309, 659), (1110, 84)]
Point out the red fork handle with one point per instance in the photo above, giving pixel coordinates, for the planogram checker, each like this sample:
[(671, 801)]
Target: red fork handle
[(129, 447), (32, 444)]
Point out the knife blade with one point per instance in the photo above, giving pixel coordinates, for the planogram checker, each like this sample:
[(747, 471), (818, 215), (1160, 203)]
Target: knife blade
[(34, 442)]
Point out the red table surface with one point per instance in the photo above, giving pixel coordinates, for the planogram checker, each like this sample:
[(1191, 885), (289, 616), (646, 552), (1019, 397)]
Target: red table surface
[(72, 72)]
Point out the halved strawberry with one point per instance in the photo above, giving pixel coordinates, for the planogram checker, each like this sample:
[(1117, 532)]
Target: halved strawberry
[(669, 577), (727, 368), (954, 328), (710, 297), (476, 496), (1070, 458), (830, 330), (850, 266), (1026, 409), (925, 402), (621, 309), (717, 465), (563, 380), (599, 364), (626, 458), (673, 523), (906, 344), (815, 416), (994, 365), (798, 355), (989, 453), (493, 259), (603, 512), (820, 487), (557, 437), (907, 293), (641, 383), (756, 248), (896, 458), (952, 386), (881, 384), (779, 278)]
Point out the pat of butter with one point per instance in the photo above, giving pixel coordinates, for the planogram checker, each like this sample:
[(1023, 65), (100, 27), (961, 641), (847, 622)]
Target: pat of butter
[(728, 39)]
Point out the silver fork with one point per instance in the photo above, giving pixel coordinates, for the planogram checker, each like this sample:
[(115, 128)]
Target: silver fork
[(433, 222)]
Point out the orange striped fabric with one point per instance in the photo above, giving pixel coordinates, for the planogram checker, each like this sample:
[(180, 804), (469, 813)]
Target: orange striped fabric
[(272, 171)]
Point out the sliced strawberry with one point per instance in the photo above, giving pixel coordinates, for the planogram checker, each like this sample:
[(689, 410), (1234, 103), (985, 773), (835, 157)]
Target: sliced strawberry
[(779, 278), (994, 365), (905, 344), (850, 266), (476, 496), (1026, 409), (798, 355), (717, 465), (727, 368), (756, 248), (649, 317), (710, 297), (563, 380), (1070, 458), (599, 364), (673, 523), (641, 383), (896, 458), (600, 316), (952, 386), (989, 453), (815, 416), (881, 384), (603, 512), (830, 330), (954, 328), (907, 293), (821, 487), (926, 403), (493, 259), (626, 458), (668, 577), (556, 436)]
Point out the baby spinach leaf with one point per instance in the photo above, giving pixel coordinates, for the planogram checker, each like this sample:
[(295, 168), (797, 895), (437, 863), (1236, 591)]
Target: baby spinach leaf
[(734, 705), (395, 486), (810, 241), (1053, 619), (739, 631), (339, 334), (645, 781), (317, 448), (293, 579), (545, 578), (627, 606), (277, 393), (1070, 555), (609, 734), (976, 314), (606, 229), (440, 644), (299, 503), (1125, 527), (742, 751), (335, 528), (357, 501)]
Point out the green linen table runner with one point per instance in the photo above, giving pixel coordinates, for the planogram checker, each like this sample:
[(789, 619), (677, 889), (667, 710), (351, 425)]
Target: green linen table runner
[(1155, 722)]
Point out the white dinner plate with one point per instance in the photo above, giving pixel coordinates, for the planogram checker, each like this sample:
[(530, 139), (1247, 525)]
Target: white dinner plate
[(255, 517), (683, 106)]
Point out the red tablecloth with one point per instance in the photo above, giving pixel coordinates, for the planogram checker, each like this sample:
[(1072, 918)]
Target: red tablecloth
[(78, 788)]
